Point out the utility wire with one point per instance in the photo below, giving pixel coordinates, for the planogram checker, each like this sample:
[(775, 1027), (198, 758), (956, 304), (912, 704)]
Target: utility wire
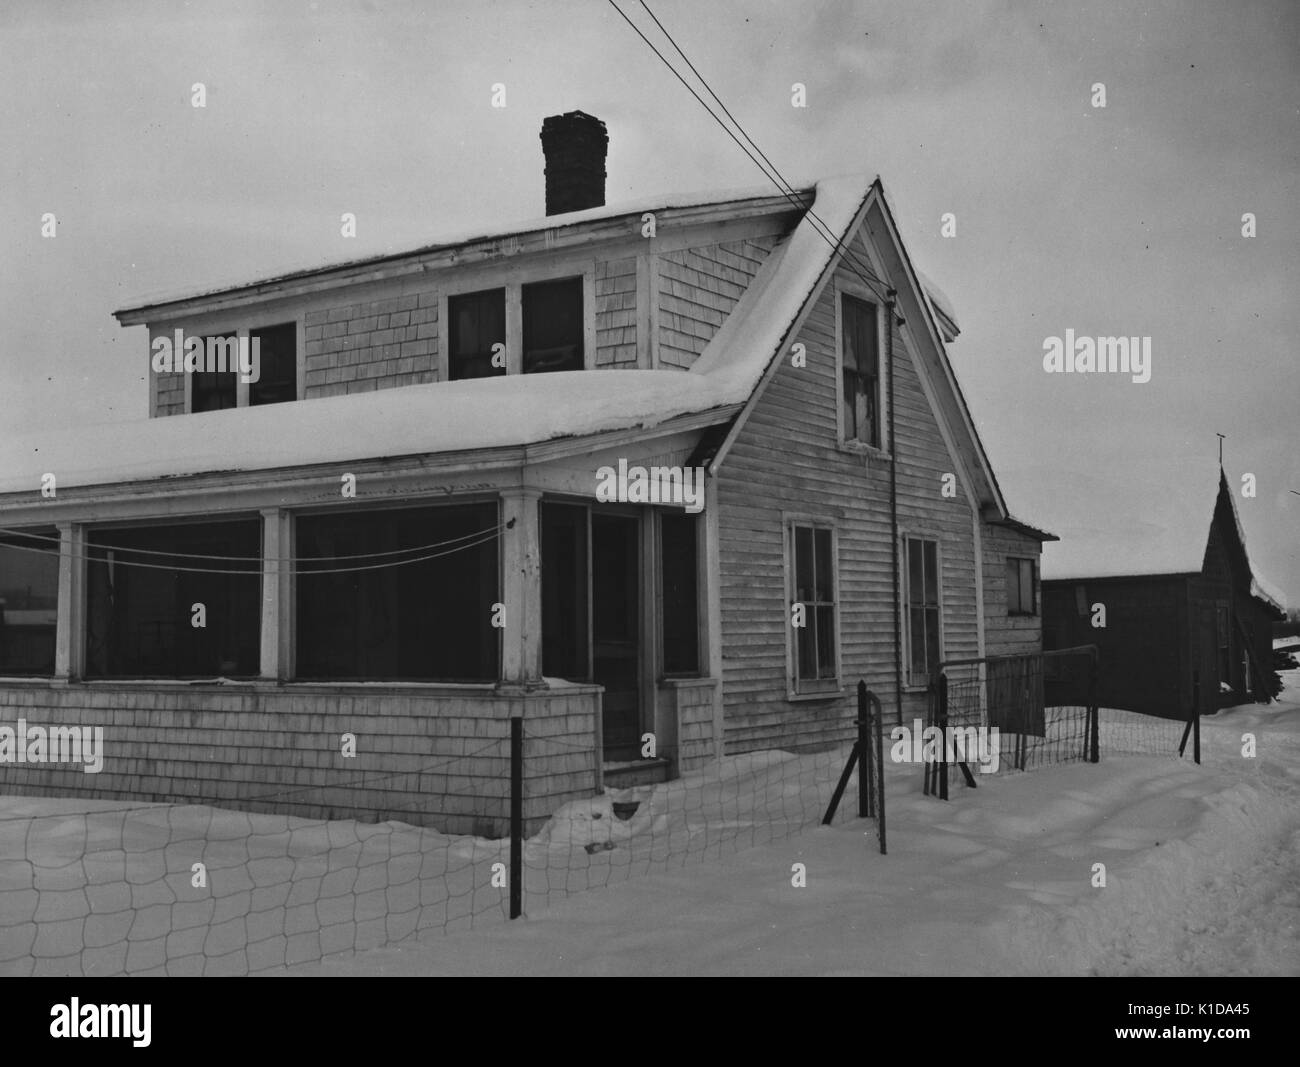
[(818, 226), (483, 539), (55, 542), (827, 233)]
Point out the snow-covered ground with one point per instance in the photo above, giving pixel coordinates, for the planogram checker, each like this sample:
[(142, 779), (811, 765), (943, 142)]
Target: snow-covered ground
[(1202, 870)]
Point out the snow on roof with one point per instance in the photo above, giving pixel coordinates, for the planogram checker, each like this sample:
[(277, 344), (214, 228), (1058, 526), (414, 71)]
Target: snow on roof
[(485, 232), (939, 299), (1168, 536), (460, 415)]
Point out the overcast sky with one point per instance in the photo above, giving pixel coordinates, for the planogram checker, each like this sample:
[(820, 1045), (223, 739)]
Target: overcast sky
[(1123, 220)]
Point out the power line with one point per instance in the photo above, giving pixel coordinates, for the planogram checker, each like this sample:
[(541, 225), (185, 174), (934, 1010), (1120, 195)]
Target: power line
[(868, 278), (55, 541), (827, 233), (483, 539)]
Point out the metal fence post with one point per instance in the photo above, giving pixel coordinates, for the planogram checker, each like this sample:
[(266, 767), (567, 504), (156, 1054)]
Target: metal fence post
[(880, 771), (864, 754), (516, 816), (943, 737), (1094, 712)]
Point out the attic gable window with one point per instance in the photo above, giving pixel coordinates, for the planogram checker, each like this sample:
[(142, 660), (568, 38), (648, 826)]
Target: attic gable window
[(478, 321), (860, 371), (553, 326)]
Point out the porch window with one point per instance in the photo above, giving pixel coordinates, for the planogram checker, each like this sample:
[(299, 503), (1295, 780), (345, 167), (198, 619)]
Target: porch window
[(163, 602), (1020, 586), (411, 599), (553, 326), (277, 364), (921, 593), (565, 602), (679, 594), (478, 321), (860, 371), (814, 589), (29, 598)]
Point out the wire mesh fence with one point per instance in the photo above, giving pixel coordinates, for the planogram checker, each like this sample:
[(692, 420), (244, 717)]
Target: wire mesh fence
[(98, 888)]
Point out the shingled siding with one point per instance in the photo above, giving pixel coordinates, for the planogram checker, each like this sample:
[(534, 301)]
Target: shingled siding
[(616, 314), (1007, 635), (698, 288), (168, 393), (786, 459), (374, 344), (272, 750)]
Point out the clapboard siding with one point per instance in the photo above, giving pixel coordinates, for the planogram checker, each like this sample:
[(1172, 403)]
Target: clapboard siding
[(787, 460), (698, 288), (1005, 634)]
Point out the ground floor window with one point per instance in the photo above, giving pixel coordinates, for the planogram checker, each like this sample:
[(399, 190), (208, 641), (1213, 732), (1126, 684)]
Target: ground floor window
[(921, 596), (679, 592), (812, 610), (29, 597), (180, 601), (399, 595), (1020, 586)]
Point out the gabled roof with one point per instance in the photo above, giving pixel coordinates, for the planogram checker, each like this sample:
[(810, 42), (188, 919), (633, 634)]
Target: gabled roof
[(477, 414), (1168, 537)]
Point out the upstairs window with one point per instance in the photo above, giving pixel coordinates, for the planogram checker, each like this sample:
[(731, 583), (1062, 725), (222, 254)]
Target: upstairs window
[(478, 321), (553, 326), (924, 640), (277, 348), (860, 384), (216, 390), (1020, 587)]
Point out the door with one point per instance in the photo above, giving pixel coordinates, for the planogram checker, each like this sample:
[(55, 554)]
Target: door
[(615, 630), (1207, 660)]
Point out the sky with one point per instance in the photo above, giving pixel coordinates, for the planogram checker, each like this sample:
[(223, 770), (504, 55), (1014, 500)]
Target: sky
[(1122, 220)]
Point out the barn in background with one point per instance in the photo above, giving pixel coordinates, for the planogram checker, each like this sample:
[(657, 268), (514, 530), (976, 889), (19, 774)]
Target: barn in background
[(1179, 604)]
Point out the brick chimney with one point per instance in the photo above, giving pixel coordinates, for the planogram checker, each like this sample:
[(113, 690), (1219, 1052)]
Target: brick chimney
[(574, 144)]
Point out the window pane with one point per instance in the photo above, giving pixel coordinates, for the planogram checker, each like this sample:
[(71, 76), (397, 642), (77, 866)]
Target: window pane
[(803, 564), (140, 619), (932, 650), (564, 592), (1013, 586), (916, 642), (931, 572), (552, 314), (806, 646), (679, 570), (1027, 585), (478, 321), (29, 600), (429, 620), (852, 422), (915, 572), (825, 589), (825, 642), (215, 389), (277, 348)]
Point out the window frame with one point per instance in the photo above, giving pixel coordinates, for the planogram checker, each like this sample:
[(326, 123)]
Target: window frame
[(1034, 606), (852, 288), (800, 689), (222, 327), (512, 279), (910, 683)]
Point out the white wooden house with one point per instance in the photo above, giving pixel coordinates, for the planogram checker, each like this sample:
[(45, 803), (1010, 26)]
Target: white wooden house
[(748, 336)]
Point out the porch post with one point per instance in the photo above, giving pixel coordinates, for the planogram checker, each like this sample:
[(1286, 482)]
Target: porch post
[(276, 595), (713, 608), (521, 648), (68, 643)]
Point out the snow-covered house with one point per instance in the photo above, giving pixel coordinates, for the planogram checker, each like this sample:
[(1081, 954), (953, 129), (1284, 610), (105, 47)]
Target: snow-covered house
[(1167, 604), (671, 468)]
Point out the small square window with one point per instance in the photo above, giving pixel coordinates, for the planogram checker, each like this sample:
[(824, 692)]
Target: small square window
[(553, 326)]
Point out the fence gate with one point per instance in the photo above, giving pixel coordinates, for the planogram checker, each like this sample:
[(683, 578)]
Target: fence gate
[(1011, 713)]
